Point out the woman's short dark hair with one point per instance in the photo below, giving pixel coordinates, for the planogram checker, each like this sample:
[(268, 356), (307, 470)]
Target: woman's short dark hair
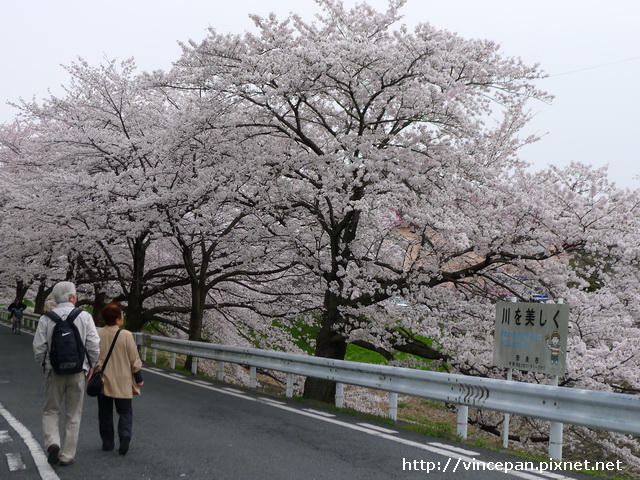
[(111, 312)]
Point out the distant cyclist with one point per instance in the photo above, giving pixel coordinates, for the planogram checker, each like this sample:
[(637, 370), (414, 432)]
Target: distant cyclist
[(16, 309)]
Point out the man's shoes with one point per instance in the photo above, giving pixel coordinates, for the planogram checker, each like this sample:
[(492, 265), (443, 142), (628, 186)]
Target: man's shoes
[(68, 462), (53, 454), (107, 447), (124, 445)]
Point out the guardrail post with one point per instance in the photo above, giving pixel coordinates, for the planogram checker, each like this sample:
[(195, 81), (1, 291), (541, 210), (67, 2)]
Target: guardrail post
[(339, 395), (555, 435), (194, 365), (154, 355), (555, 441), (393, 406), (289, 392), (507, 418), (253, 378), (463, 418), (220, 371), (143, 354), (172, 361)]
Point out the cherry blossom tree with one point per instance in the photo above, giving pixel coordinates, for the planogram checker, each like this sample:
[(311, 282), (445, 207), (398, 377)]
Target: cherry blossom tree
[(137, 184), (347, 177), (27, 255), (100, 148), (391, 164), (378, 127)]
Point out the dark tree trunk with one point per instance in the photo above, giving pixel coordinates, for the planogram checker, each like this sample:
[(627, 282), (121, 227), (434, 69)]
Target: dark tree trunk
[(41, 297), (99, 301), (135, 317), (198, 295), (21, 289), (329, 344)]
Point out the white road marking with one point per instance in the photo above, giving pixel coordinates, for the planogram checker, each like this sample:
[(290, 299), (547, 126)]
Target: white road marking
[(550, 475), (379, 429), (14, 460), (318, 412), (45, 470), (454, 449), (232, 390), (5, 437), (271, 400)]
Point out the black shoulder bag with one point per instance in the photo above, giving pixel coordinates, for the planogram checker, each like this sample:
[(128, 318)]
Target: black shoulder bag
[(95, 385)]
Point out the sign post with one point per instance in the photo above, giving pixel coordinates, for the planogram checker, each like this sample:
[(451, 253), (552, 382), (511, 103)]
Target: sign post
[(532, 337)]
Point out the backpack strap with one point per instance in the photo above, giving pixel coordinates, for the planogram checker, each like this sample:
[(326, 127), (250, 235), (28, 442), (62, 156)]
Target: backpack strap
[(73, 314), (53, 316)]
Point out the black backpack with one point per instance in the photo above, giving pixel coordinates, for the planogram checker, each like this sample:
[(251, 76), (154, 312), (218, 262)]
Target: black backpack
[(67, 351)]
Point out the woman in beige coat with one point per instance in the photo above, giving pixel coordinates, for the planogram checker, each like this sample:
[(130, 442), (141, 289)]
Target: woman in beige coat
[(122, 379)]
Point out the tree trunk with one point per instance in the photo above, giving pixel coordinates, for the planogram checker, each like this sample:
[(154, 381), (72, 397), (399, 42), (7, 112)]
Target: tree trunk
[(329, 344), (41, 297), (198, 295), (135, 318), (99, 301), (21, 289)]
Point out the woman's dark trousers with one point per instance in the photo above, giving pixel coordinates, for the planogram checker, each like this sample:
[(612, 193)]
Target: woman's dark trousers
[(124, 407)]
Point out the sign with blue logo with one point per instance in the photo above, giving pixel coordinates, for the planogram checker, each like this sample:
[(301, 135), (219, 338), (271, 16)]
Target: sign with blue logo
[(531, 337)]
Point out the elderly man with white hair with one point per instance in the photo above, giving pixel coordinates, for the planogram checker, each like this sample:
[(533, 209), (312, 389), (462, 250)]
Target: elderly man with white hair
[(64, 387)]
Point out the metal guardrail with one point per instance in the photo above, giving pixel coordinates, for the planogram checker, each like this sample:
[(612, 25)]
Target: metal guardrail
[(588, 408), (29, 320)]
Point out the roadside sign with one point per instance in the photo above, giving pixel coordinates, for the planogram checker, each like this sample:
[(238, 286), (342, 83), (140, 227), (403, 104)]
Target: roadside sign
[(531, 337)]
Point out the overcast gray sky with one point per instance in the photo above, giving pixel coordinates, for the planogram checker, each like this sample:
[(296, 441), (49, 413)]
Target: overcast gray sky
[(591, 50)]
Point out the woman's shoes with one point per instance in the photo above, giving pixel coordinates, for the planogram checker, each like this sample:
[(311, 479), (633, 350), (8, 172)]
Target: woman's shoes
[(107, 447), (124, 445)]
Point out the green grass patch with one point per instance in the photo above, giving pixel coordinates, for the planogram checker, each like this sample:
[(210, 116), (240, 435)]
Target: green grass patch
[(362, 355), (433, 429), (359, 354)]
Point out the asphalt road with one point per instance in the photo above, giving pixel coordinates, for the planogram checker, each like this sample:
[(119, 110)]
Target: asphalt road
[(186, 428)]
